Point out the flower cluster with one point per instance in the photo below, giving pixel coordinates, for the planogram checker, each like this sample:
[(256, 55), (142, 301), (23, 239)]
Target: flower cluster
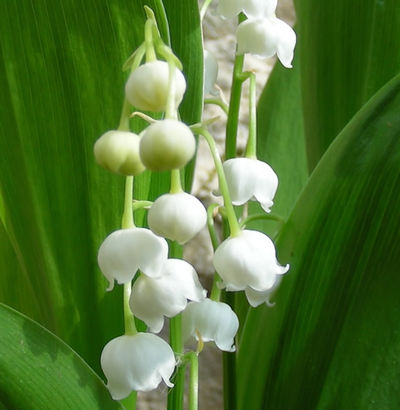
[(156, 286)]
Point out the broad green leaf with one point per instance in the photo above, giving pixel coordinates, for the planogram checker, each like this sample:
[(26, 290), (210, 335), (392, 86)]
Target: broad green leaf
[(349, 50), (62, 87), (332, 340), (39, 371)]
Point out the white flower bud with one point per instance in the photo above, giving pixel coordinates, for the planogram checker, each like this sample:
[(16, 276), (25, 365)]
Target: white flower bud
[(178, 217), (213, 321), (250, 179), (125, 251), (152, 299), (248, 260), (147, 86), (167, 144), (267, 37), (118, 151), (136, 363)]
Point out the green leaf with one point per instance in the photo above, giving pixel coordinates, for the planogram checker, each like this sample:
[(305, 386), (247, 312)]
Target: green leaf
[(39, 371), (332, 340), (349, 50), (62, 87)]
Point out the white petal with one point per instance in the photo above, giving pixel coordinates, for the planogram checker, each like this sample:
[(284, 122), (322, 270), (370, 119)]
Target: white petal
[(178, 217), (248, 260), (137, 363), (250, 179), (214, 321), (286, 43), (152, 299), (256, 297), (125, 251)]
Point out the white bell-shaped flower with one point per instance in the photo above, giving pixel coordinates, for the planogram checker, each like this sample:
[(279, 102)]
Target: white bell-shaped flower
[(266, 37), (211, 321), (125, 251), (178, 217), (250, 179), (152, 299), (147, 86), (136, 363), (256, 298), (248, 260), (252, 8)]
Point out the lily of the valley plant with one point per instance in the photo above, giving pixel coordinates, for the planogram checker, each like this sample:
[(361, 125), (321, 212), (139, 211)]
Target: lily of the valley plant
[(158, 288)]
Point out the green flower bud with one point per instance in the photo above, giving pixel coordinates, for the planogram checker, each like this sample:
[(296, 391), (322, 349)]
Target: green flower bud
[(147, 86), (167, 144), (118, 151)]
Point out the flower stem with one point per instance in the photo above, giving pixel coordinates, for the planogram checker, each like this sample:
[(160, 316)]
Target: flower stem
[(194, 381), (251, 146), (204, 8), (256, 217), (215, 290), (129, 319), (170, 109), (127, 216), (176, 185), (223, 186), (125, 114), (220, 103)]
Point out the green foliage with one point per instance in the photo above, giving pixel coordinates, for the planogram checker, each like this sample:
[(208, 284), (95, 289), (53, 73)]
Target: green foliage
[(39, 371)]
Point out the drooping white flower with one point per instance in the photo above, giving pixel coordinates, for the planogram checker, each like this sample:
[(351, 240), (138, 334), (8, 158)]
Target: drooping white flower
[(147, 86), (256, 297), (178, 217), (250, 179), (212, 321), (252, 8), (136, 363), (125, 251), (152, 299), (248, 260), (266, 37)]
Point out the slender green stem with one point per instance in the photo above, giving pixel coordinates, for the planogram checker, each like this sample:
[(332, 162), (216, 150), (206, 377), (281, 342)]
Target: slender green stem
[(129, 319), (251, 146), (256, 217), (175, 396), (176, 185), (223, 186), (194, 381), (215, 290), (125, 114), (204, 8), (220, 103), (127, 216)]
